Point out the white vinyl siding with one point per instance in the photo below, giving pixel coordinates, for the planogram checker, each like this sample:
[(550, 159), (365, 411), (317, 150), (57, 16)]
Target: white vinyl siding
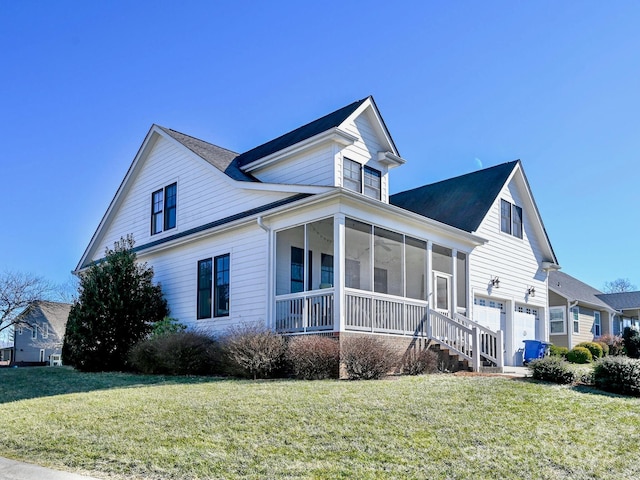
[(201, 188), (311, 167)]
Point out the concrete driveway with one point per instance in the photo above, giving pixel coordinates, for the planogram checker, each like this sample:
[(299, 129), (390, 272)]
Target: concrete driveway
[(12, 470)]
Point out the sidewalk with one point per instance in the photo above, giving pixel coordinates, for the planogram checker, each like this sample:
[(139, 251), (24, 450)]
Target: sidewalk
[(13, 470)]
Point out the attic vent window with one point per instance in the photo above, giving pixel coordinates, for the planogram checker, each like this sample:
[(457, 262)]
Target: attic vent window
[(510, 219), (163, 209)]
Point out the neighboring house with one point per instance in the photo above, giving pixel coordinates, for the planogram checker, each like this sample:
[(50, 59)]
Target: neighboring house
[(627, 306), (301, 234), (577, 313), (40, 332)]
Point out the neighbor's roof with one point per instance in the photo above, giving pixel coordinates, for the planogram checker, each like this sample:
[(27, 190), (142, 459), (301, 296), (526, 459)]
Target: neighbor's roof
[(622, 301), (462, 201), (332, 120), (224, 160), (574, 290)]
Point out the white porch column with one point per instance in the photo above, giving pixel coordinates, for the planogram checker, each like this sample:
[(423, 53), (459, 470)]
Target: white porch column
[(454, 283), (339, 253), (429, 273)]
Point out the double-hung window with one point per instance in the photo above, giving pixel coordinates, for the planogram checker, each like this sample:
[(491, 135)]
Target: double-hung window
[(163, 209), (597, 324), (213, 287), (510, 219), (556, 321), (365, 180), (575, 314)]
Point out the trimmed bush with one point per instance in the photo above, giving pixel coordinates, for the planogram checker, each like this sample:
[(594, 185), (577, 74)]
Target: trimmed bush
[(552, 369), (417, 363), (313, 357), (605, 348), (367, 358), (167, 325), (253, 350), (631, 338), (618, 375), (558, 351), (579, 355), (179, 353), (594, 348), (615, 343)]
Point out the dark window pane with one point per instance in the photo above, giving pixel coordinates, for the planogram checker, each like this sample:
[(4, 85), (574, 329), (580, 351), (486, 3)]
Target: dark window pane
[(352, 273), (204, 288), (372, 183), (352, 175), (156, 211), (297, 270), (326, 270), (505, 216), (380, 284), (517, 221), (221, 292), (170, 195)]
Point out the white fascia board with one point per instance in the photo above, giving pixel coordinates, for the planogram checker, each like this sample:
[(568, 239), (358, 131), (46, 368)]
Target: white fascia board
[(390, 160), (283, 187), (334, 135), (150, 139), (371, 203)]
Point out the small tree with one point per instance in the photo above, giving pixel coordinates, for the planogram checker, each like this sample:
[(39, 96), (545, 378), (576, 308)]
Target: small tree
[(631, 338), (117, 307)]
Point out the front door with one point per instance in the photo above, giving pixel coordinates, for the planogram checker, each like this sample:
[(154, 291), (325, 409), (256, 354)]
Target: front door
[(442, 295)]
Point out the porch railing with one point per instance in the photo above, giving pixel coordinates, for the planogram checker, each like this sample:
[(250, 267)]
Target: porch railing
[(490, 342), (308, 312), (375, 312)]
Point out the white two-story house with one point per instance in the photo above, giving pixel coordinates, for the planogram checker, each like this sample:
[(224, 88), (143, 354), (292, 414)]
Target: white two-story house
[(301, 234)]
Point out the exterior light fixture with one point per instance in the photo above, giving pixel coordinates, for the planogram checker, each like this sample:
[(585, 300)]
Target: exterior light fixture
[(531, 291), (495, 282)]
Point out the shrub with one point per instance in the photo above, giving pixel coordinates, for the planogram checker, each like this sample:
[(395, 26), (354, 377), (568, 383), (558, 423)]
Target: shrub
[(631, 338), (615, 343), (594, 348), (167, 325), (618, 375), (552, 369), (313, 357), (605, 348), (178, 353), (558, 351), (254, 350), (367, 358), (579, 355), (417, 363)]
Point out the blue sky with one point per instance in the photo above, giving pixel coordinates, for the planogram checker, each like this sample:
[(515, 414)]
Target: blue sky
[(459, 84)]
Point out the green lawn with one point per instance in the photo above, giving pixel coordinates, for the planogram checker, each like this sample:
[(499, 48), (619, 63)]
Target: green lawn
[(439, 426)]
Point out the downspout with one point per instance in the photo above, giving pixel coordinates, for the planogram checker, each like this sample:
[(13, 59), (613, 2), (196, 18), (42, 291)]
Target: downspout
[(269, 310)]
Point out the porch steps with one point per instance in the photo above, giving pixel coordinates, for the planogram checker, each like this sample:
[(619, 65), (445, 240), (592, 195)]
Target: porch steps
[(449, 361)]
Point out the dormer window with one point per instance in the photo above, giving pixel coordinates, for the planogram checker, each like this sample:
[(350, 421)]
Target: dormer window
[(163, 209), (510, 219), (365, 180)]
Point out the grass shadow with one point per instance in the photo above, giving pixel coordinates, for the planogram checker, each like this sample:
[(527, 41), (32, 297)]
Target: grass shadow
[(35, 382)]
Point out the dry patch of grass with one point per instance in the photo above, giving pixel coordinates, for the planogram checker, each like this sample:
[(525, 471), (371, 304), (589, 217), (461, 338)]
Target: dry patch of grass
[(439, 426)]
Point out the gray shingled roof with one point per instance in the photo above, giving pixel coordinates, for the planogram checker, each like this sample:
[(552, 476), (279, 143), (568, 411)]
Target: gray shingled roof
[(622, 301), (56, 314), (332, 120), (224, 160), (575, 290), (461, 202)]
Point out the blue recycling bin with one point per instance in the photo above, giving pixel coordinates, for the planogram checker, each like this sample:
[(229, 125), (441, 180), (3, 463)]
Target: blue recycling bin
[(534, 349)]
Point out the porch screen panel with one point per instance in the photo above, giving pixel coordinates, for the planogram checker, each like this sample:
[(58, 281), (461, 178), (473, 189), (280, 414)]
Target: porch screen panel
[(461, 285), (358, 255), (442, 260), (416, 268), (320, 242), (387, 256), (287, 241)]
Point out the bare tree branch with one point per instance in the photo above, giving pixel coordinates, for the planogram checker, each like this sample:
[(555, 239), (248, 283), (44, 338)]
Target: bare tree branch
[(17, 292), (619, 285)]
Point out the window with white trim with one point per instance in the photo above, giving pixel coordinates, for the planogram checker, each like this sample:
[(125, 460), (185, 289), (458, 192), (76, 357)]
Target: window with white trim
[(34, 332), (597, 324), (163, 208), (556, 321), (510, 218), (45, 330), (362, 179), (575, 314)]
